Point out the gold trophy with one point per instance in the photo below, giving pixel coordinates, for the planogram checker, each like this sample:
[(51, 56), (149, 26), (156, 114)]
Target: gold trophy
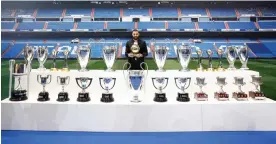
[(65, 67), (54, 55), (135, 50), (210, 54), (199, 55)]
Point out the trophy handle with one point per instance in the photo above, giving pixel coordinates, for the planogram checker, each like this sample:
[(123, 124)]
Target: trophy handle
[(68, 80), (77, 79), (167, 81), (58, 79), (127, 69), (147, 68), (188, 79), (114, 79), (175, 80), (50, 77), (100, 79), (89, 82), (38, 76), (154, 83)]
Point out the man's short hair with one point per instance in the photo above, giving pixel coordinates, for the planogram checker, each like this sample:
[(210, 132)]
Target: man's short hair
[(135, 30)]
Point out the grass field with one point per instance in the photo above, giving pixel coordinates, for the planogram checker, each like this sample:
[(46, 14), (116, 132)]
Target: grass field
[(266, 67)]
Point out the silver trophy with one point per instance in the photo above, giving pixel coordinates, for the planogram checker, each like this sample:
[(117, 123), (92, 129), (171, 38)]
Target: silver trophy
[(231, 57), (107, 83), (83, 83), (109, 55), (65, 66), (63, 81), (135, 79), (54, 55), (210, 56), (240, 95), (220, 52), (257, 94), (182, 83), (29, 55), (199, 56), (160, 83), (160, 55), (221, 95), (201, 96), (44, 80), (83, 55), (184, 53), (42, 55), (242, 52)]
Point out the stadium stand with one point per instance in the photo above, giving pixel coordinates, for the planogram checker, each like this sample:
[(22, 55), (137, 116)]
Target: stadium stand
[(164, 12)]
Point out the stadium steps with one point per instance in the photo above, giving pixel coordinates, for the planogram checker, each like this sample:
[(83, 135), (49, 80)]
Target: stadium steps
[(260, 50), (237, 13), (8, 48)]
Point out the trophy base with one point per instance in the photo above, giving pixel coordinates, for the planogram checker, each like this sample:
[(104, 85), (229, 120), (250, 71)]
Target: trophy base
[(231, 69), (160, 70), (65, 70), (160, 97), (63, 97), (183, 97), (184, 70), (222, 96), (210, 69), (220, 69), (256, 95), (43, 96), (83, 97), (240, 96), (107, 98), (54, 69), (201, 96), (83, 70), (199, 69), (18, 95), (244, 68)]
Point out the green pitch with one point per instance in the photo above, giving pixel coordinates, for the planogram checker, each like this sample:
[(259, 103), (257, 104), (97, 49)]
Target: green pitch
[(266, 67)]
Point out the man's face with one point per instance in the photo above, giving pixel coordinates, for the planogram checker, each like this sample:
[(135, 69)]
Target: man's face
[(135, 35)]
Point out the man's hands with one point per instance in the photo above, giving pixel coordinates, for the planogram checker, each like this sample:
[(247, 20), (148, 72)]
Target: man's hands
[(135, 55)]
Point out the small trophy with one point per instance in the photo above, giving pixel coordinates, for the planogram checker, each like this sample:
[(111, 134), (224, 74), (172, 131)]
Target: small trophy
[(221, 95), (160, 83), (220, 52), (210, 55), (242, 52), (83, 55), (231, 57), (107, 84), (184, 53), (63, 81), (199, 56), (83, 83), (43, 80), (42, 55), (201, 96), (54, 55), (240, 95), (66, 54), (257, 94), (182, 83)]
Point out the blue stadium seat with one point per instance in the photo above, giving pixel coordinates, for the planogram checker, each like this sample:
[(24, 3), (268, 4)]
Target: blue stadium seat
[(6, 12), (226, 12), (271, 46), (247, 11), (211, 25), (164, 12), (193, 11), (84, 11), (120, 25), (4, 46), (242, 25), (14, 50), (181, 25), (7, 25), (49, 13), (30, 25), (91, 25), (267, 25), (60, 25), (107, 13), (151, 25), (25, 11), (260, 50), (136, 11), (268, 11)]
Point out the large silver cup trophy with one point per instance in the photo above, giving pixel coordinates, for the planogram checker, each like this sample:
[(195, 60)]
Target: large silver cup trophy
[(160, 53), (160, 83), (242, 52), (63, 81), (54, 56), (184, 53), (221, 95), (107, 83), (200, 96), (44, 80), (220, 53), (83, 83), (231, 57), (109, 53), (65, 65), (42, 55), (182, 83), (240, 95), (257, 94), (83, 56), (210, 56), (199, 56), (28, 55), (135, 79)]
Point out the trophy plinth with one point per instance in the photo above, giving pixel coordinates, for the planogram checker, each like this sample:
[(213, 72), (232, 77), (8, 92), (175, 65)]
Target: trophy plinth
[(210, 69), (257, 95), (222, 96), (54, 69), (240, 96), (63, 97), (160, 97), (199, 69), (183, 97), (107, 98), (18, 95), (43, 96), (65, 69), (83, 97), (201, 96)]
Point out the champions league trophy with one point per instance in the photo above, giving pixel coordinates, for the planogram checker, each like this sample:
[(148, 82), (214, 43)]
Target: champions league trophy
[(184, 53), (231, 57), (160, 54), (83, 55), (160, 83), (199, 56), (257, 94), (107, 84), (220, 52), (65, 66), (210, 55), (28, 56), (83, 83), (240, 95), (63, 81), (221, 95), (182, 83), (242, 52), (201, 96), (109, 53), (135, 79), (54, 55), (42, 55), (43, 80)]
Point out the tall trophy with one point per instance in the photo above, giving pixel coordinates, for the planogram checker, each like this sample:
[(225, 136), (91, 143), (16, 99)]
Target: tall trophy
[(28, 56), (63, 81), (257, 94), (231, 57), (160, 83), (210, 56), (135, 79), (199, 56), (109, 55), (65, 66), (83, 55), (201, 96), (184, 53), (107, 84), (54, 55), (42, 55), (242, 52), (240, 95), (160, 54), (220, 52), (182, 83), (43, 80), (221, 95), (83, 83)]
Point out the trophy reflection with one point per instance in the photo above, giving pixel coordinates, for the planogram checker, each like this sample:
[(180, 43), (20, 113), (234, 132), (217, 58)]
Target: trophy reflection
[(201, 96), (83, 83), (240, 95), (199, 56), (182, 83), (43, 80), (107, 84), (65, 66), (257, 94), (54, 55), (63, 81), (160, 83), (210, 55), (221, 95)]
